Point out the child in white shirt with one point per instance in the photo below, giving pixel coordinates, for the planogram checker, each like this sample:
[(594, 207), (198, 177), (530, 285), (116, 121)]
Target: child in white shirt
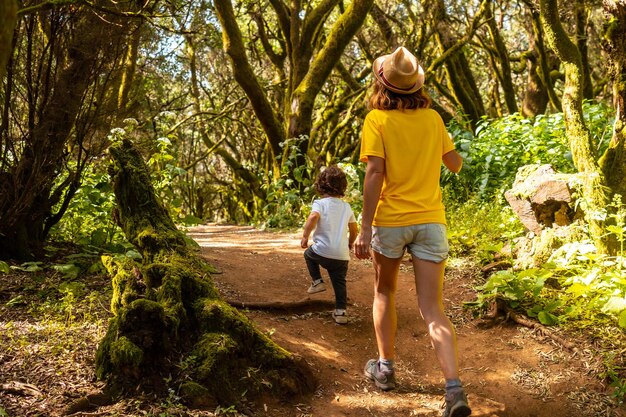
[(335, 232)]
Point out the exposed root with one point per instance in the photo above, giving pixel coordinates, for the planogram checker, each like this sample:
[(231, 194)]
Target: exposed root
[(524, 321), (20, 388), (89, 402), (304, 304)]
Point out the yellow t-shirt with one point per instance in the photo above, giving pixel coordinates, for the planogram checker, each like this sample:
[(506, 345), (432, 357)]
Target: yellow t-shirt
[(412, 143)]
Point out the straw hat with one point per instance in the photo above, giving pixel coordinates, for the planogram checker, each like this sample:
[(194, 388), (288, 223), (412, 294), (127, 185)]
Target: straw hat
[(399, 71)]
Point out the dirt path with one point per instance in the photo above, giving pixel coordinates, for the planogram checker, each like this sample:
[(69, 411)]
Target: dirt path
[(507, 370)]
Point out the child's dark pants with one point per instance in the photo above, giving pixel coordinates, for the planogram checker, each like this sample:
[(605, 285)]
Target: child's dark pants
[(337, 270)]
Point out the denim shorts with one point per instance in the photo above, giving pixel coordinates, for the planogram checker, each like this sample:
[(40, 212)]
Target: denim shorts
[(424, 241)]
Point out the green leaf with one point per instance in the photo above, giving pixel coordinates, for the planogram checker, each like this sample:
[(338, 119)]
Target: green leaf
[(614, 305), (99, 237), (16, 301), (133, 254), (547, 319), (622, 319), (4, 267), (70, 271), (29, 267)]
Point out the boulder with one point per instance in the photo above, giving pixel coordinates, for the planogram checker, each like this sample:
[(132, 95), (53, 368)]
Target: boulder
[(541, 198)]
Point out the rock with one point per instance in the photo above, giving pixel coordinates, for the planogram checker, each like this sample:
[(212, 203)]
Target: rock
[(541, 198)]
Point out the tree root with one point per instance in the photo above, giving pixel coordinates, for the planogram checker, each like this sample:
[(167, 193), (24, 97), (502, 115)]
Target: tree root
[(20, 388), (543, 330), (305, 303), (89, 402), (500, 309)]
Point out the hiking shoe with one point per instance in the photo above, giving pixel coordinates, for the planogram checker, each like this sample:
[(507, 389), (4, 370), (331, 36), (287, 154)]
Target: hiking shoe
[(316, 287), (340, 318), (456, 404), (384, 380)]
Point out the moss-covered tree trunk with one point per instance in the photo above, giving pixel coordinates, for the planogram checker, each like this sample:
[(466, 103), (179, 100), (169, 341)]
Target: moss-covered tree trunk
[(613, 161), (167, 312), (302, 34), (460, 78), (594, 188), (544, 64), (504, 74)]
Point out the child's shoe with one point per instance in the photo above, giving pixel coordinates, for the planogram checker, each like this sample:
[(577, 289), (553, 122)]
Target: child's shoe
[(316, 286), (340, 316)]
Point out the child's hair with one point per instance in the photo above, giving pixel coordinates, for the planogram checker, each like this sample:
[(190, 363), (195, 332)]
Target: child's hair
[(331, 181), (384, 99)]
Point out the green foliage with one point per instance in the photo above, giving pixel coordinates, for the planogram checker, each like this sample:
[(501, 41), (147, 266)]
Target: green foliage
[(493, 154), (88, 220), (286, 197), (478, 228)]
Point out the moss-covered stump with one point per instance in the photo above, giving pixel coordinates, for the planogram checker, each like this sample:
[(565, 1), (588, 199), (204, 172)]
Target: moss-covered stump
[(169, 319)]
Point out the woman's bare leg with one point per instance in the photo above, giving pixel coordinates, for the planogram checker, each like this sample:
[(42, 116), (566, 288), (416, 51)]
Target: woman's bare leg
[(384, 308), (429, 285)]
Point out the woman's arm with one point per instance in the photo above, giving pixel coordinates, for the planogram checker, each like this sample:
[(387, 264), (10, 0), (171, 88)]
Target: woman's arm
[(453, 161), (373, 184)]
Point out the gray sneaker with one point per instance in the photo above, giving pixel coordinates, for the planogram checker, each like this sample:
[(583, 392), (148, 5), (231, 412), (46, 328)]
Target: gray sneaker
[(383, 380), (340, 318), (456, 404), (316, 287)]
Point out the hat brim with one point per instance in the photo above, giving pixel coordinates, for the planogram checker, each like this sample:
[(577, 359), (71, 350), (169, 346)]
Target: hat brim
[(418, 84)]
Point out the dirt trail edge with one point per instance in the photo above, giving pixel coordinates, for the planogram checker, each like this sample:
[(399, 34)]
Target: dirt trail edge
[(507, 370)]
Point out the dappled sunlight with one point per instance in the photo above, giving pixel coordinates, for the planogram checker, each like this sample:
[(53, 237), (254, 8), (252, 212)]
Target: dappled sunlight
[(318, 349), (247, 239)]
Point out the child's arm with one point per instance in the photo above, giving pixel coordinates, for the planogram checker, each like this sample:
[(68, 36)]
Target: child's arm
[(354, 231), (310, 224)]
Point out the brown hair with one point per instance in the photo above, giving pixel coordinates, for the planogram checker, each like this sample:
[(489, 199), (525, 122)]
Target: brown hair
[(383, 99), (331, 181)]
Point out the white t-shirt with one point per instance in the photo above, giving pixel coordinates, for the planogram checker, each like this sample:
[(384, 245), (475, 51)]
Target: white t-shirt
[(330, 238)]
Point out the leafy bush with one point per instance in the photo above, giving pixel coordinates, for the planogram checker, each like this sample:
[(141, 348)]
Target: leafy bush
[(493, 154), (88, 220)]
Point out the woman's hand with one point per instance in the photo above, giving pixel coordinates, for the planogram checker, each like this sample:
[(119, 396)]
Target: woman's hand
[(362, 243)]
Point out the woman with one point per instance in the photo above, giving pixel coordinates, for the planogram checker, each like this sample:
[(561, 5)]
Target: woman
[(403, 143)]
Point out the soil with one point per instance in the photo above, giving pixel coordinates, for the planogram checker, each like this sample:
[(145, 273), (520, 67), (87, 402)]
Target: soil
[(507, 370)]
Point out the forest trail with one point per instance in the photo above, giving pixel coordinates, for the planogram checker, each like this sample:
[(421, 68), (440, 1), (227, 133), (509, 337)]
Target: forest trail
[(507, 370)]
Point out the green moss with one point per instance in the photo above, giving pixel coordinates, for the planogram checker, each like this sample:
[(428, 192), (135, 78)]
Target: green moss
[(196, 395), (125, 354), (124, 283), (103, 362)]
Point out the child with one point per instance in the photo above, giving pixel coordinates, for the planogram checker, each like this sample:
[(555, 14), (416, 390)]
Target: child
[(331, 218)]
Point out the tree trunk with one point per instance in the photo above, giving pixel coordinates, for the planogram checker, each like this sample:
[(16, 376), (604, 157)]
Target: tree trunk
[(8, 19), (303, 97), (536, 97), (460, 78), (543, 57), (167, 311), (26, 195), (594, 193), (245, 77), (505, 78), (613, 162), (581, 15), (308, 72)]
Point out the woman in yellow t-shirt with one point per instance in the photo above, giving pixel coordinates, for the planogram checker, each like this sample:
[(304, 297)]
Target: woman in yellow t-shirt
[(404, 143)]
